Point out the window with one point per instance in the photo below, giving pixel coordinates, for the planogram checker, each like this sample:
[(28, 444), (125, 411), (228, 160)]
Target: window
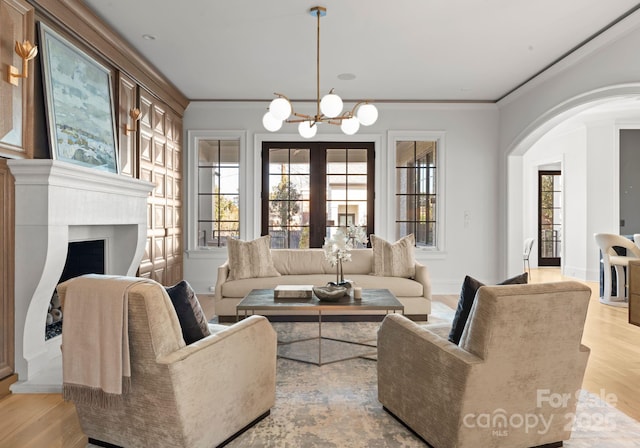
[(549, 217), (416, 190), (218, 206), (311, 189)]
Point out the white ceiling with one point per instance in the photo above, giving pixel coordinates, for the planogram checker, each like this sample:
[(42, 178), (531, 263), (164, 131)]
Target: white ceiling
[(418, 50)]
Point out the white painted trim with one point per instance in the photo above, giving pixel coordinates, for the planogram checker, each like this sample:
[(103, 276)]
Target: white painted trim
[(622, 28), (440, 138), (379, 184), (191, 165), (536, 129)]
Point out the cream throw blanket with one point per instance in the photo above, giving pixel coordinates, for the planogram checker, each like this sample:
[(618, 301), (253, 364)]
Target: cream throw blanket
[(96, 368)]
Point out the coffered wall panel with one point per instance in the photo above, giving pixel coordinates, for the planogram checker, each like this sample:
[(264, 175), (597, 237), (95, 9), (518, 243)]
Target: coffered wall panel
[(128, 99), (149, 152), (6, 271), (159, 150)]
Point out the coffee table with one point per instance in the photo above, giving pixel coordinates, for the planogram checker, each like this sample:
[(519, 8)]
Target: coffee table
[(372, 299)]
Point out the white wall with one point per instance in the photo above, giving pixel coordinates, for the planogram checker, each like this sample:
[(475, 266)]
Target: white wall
[(568, 149), (484, 162), (471, 172), (606, 68)]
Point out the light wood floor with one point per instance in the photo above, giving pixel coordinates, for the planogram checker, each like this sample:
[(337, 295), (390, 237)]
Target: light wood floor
[(614, 363), (44, 420)]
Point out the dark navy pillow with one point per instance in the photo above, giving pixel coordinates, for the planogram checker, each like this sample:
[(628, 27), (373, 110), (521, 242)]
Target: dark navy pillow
[(467, 295), (192, 319)]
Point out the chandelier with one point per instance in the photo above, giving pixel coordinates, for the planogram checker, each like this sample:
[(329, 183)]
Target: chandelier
[(328, 109)]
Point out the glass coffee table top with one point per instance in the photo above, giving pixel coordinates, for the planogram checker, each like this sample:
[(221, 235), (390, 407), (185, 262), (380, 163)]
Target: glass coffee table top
[(372, 299)]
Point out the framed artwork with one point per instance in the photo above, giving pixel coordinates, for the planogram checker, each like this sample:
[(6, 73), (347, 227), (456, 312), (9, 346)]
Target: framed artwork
[(80, 106)]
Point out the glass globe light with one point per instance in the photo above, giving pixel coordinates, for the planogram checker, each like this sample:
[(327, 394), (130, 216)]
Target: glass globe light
[(331, 105), (280, 108), (350, 126), (367, 114), (271, 123), (307, 130)]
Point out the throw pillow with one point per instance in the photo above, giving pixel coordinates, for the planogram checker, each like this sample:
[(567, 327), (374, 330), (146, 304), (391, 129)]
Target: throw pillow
[(394, 259), (467, 295), (192, 319), (250, 259)]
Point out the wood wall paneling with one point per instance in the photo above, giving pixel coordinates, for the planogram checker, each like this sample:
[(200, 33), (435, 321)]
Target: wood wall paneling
[(153, 153), (174, 198), (7, 241), (80, 21), (16, 102), (159, 150), (128, 99)]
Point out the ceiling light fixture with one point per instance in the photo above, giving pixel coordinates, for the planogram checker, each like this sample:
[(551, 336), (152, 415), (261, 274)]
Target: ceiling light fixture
[(328, 109)]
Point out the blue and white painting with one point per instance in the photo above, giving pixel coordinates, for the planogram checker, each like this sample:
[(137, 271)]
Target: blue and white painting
[(79, 105)]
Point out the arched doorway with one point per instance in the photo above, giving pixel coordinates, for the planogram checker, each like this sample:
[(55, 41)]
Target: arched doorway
[(599, 116)]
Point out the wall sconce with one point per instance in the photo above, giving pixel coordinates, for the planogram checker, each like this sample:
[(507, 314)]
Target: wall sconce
[(27, 51), (135, 116)]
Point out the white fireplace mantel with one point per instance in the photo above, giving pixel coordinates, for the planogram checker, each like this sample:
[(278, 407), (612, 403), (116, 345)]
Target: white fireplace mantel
[(55, 203)]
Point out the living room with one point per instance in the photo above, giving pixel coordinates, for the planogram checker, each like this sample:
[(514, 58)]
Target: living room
[(488, 143)]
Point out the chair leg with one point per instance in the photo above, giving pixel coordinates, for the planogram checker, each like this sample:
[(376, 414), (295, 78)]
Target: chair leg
[(621, 283), (606, 293)]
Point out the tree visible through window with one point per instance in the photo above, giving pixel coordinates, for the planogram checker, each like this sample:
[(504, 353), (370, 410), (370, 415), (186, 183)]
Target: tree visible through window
[(416, 190), (550, 218), (311, 189), (218, 192)]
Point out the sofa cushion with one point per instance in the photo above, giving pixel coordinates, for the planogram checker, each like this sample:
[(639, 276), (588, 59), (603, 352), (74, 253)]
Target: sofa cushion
[(250, 259), (394, 259), (301, 261), (190, 315), (313, 261), (400, 287), (470, 287)]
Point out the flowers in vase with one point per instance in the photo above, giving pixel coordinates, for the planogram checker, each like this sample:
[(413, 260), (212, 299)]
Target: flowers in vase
[(337, 248)]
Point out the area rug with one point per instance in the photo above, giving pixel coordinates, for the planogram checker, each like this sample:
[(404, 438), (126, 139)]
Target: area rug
[(336, 405)]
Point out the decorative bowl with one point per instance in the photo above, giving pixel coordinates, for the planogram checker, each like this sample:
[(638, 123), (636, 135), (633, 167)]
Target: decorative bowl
[(330, 293)]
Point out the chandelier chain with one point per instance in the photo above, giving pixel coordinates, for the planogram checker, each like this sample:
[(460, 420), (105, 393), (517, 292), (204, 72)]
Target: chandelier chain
[(328, 109)]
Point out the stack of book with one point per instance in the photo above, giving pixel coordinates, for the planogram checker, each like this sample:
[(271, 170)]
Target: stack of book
[(293, 292)]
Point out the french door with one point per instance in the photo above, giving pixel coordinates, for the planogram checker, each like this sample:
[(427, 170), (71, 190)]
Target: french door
[(311, 189), (549, 218)]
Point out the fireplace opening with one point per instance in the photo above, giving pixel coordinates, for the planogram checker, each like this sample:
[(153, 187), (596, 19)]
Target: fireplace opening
[(83, 257)]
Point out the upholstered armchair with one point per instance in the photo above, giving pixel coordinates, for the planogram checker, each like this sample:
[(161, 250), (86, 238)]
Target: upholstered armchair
[(195, 395), (511, 382)]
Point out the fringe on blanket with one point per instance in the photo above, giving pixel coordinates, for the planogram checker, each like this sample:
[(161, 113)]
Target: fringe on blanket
[(94, 396)]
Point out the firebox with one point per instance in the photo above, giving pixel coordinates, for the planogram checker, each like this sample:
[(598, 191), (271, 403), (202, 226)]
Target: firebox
[(83, 257)]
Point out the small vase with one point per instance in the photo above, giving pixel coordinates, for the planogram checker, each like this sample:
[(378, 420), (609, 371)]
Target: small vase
[(340, 281)]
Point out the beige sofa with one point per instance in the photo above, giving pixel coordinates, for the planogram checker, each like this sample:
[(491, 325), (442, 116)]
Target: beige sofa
[(309, 267)]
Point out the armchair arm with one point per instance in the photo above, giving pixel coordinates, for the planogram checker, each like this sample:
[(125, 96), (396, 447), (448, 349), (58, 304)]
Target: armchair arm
[(223, 273), (422, 277), (226, 377), (421, 377)]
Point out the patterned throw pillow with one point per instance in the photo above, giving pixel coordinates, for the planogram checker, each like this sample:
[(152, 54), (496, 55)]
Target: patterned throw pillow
[(394, 259), (467, 295), (250, 259), (193, 322)]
